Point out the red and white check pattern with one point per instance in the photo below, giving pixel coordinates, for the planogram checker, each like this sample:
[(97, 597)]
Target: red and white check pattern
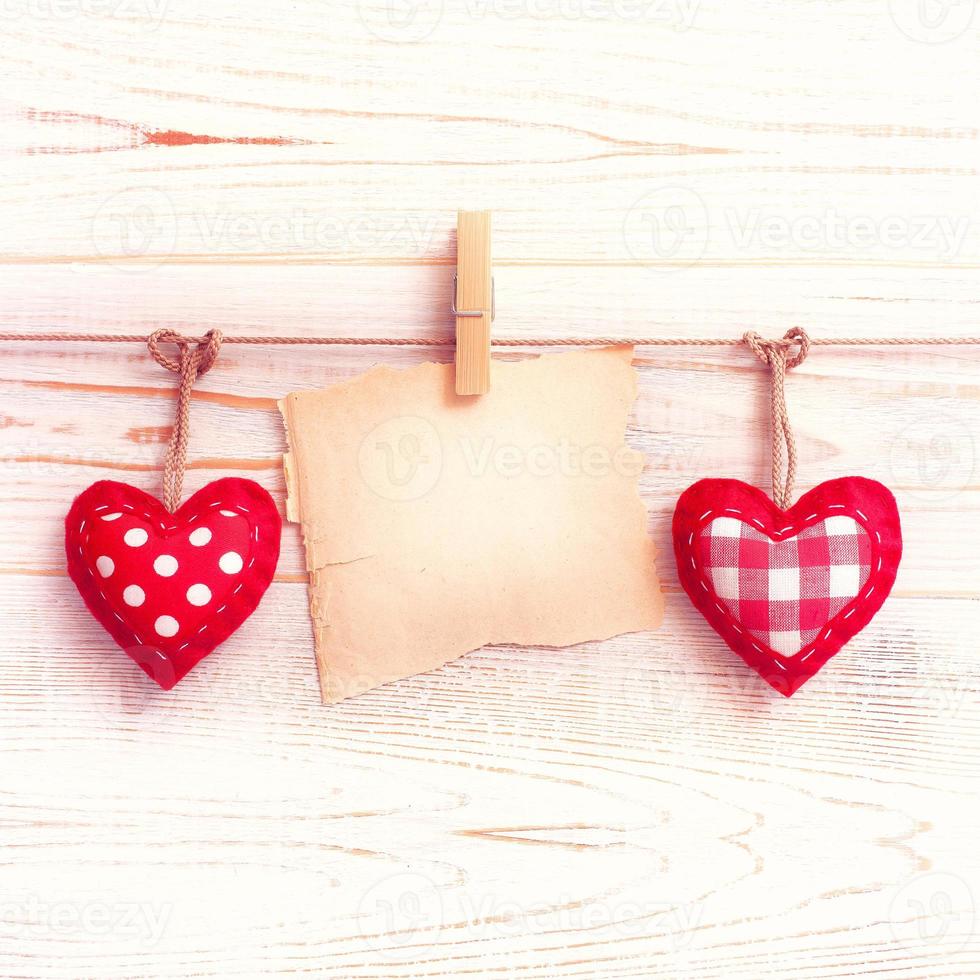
[(785, 592)]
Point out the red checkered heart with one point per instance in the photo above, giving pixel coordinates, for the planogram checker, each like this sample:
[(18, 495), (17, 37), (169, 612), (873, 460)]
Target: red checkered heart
[(170, 587), (787, 589)]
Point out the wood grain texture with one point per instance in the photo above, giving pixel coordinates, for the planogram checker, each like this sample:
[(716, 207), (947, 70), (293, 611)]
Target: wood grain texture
[(641, 808)]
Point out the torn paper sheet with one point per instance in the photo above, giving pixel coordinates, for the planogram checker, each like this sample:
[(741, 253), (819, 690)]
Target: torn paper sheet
[(435, 523)]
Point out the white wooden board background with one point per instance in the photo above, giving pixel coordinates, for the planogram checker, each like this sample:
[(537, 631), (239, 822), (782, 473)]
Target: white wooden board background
[(640, 808)]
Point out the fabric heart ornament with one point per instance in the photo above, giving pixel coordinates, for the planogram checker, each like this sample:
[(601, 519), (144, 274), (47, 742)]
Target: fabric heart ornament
[(786, 589), (170, 587)]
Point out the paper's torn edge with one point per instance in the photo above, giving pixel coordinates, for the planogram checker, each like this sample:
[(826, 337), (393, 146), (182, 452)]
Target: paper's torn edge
[(294, 515), (318, 612)]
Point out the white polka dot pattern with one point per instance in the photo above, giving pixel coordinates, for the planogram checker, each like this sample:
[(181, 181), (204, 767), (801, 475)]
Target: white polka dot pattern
[(230, 563), (105, 565), (165, 565), (199, 594), (136, 537), (200, 537), (166, 626), (134, 596)]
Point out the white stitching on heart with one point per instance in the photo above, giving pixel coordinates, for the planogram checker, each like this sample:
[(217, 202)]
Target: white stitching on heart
[(805, 652), (147, 517)]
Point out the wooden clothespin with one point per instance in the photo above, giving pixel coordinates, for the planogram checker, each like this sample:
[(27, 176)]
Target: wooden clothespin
[(473, 302)]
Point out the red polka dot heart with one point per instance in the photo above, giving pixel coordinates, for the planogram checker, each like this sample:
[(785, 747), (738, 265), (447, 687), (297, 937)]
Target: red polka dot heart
[(170, 587)]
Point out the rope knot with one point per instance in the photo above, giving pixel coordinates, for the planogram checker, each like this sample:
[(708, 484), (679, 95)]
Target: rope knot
[(205, 353), (196, 356), (779, 356), (767, 350)]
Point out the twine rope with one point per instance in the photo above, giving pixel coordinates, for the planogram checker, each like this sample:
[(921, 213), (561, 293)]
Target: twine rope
[(495, 341), (195, 356), (781, 355)]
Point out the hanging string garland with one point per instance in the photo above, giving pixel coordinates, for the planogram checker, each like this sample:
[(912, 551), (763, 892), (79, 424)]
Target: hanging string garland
[(495, 341), (785, 585)]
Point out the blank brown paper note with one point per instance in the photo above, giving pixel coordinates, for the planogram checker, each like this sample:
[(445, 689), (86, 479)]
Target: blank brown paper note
[(436, 523)]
